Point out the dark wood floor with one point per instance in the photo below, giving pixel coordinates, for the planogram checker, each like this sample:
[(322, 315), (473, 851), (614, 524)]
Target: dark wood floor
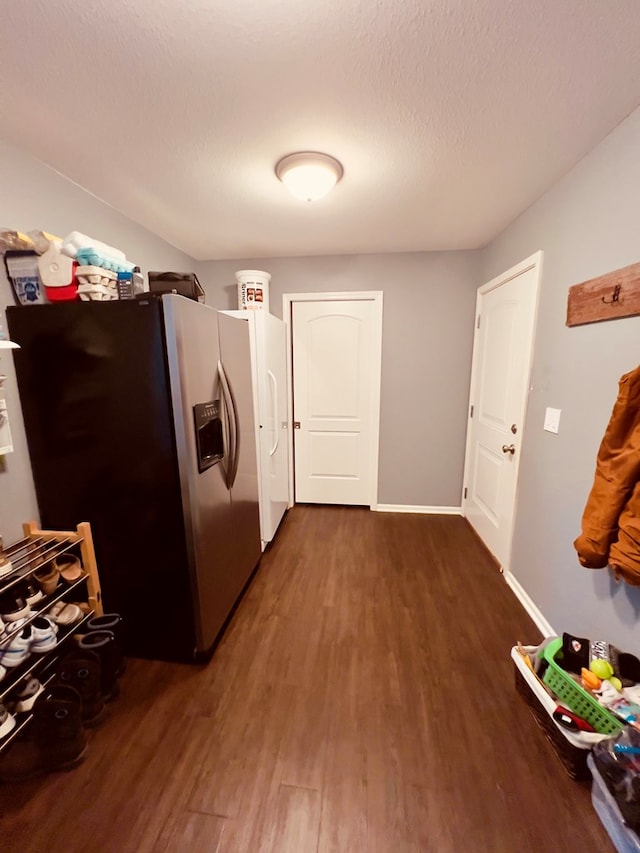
[(361, 700)]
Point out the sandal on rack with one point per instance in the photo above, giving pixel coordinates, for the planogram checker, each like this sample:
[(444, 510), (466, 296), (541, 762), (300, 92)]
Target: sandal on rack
[(70, 567), (48, 577), (64, 613)]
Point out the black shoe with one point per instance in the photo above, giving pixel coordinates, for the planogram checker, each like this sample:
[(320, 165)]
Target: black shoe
[(56, 739)]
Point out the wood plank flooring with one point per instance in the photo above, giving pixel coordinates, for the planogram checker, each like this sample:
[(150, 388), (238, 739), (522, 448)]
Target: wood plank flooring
[(361, 699)]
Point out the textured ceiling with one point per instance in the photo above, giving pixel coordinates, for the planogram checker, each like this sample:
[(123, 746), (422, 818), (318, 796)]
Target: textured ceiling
[(449, 116)]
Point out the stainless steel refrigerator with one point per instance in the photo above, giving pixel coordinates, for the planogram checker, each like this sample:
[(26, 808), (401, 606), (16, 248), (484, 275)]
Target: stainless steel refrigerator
[(139, 419)]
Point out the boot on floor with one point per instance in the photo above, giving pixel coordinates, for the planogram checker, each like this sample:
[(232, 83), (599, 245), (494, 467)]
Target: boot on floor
[(81, 670), (56, 739), (110, 622), (104, 645)]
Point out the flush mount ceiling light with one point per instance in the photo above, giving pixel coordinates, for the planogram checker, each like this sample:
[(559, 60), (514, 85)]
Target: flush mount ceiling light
[(309, 175)]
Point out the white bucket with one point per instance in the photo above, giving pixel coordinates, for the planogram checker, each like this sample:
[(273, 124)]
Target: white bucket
[(253, 290)]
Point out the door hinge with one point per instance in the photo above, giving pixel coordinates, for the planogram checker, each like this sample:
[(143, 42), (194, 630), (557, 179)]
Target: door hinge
[(478, 323), (471, 412), (465, 492)]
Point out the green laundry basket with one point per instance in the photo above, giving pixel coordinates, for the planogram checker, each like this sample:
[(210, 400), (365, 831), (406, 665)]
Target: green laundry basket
[(574, 696)]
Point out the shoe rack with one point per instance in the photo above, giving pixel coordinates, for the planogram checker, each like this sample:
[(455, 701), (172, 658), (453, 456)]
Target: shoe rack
[(33, 551)]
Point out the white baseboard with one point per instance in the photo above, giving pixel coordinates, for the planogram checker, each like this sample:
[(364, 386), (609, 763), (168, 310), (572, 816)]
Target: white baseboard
[(532, 609), (423, 510)]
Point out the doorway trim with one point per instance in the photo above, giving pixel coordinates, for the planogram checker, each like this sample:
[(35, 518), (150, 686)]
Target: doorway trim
[(532, 262), (375, 296)]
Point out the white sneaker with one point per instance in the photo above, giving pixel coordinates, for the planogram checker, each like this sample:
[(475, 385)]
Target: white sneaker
[(43, 634), (26, 696), (7, 721), (16, 650)]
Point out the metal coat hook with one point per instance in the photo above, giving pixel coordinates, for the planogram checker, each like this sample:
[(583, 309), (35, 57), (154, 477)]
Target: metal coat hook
[(615, 297)]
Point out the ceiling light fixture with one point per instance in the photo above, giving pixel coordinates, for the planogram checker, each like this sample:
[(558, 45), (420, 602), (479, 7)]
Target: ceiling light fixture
[(309, 175)]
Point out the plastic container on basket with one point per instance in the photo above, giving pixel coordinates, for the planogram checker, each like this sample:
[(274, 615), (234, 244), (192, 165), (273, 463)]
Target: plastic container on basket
[(253, 290), (624, 839), (575, 697)]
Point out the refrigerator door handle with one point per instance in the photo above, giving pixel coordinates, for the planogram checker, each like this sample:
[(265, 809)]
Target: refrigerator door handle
[(233, 425), (274, 382), (229, 423), (236, 434)]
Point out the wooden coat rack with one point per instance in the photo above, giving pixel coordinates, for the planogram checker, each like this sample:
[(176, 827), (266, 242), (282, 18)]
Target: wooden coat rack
[(608, 297)]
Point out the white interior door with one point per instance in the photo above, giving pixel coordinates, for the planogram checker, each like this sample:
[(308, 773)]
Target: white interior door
[(334, 371), (500, 377)]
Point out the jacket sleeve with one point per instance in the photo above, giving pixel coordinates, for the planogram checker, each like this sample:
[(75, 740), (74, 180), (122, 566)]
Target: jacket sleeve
[(617, 472), (624, 556)]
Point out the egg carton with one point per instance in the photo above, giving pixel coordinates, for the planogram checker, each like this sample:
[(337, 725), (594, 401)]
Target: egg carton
[(97, 292), (95, 275)]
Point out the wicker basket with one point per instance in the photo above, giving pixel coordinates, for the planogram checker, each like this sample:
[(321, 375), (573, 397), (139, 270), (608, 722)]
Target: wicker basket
[(571, 748)]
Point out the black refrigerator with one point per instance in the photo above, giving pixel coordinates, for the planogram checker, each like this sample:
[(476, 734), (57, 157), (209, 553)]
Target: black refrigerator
[(139, 419)]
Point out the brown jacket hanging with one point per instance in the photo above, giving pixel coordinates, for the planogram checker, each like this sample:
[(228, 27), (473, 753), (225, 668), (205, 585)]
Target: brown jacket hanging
[(611, 520)]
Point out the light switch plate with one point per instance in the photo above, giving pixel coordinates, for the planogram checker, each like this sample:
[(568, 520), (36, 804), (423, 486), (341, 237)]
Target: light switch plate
[(552, 419)]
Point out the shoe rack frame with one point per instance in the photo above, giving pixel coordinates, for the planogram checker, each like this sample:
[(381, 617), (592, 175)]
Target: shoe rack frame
[(81, 536), (35, 549)]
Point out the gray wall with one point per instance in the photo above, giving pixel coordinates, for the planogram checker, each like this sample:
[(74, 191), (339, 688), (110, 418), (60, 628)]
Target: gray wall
[(34, 196), (429, 303), (587, 225)]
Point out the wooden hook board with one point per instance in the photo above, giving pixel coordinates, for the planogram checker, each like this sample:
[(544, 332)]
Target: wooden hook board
[(608, 297)]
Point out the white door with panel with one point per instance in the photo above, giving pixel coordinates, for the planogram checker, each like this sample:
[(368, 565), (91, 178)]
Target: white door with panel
[(500, 379), (334, 369)]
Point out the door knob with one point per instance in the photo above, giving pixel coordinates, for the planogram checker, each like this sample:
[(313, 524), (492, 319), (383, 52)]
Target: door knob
[(509, 448)]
